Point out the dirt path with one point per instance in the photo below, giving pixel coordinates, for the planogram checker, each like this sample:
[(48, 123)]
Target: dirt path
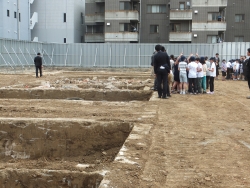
[(201, 141)]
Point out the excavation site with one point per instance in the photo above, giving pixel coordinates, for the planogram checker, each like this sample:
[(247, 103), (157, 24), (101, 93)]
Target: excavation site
[(106, 128)]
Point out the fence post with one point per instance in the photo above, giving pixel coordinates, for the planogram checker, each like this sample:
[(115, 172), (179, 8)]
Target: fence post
[(139, 57), (125, 53), (66, 55), (110, 56), (95, 57), (80, 58)]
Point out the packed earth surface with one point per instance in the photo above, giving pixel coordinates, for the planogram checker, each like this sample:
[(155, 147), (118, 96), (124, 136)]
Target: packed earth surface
[(106, 128)]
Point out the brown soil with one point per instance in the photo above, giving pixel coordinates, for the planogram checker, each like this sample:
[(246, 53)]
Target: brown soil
[(78, 141)]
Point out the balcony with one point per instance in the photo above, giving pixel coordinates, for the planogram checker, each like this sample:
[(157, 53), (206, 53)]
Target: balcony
[(94, 37), (122, 15), (209, 26), (181, 14), (180, 36), (94, 18), (122, 37), (214, 3)]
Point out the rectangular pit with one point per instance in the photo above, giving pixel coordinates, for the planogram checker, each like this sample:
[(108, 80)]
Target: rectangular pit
[(27, 143), (36, 178), (93, 95), (58, 139)]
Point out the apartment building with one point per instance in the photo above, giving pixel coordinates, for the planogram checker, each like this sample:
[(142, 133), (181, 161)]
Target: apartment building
[(112, 21), (238, 19), (14, 19), (59, 21), (163, 21)]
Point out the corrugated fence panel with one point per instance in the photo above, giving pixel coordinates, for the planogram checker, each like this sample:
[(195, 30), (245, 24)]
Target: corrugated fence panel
[(18, 54)]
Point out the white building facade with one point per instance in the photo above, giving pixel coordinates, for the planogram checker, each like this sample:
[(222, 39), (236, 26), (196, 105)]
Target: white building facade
[(14, 19), (59, 21)]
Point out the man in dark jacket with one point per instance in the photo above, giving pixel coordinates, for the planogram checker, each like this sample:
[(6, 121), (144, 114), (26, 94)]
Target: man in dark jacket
[(38, 64), (247, 73), (161, 68)]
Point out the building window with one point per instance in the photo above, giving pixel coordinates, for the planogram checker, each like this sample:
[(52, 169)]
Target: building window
[(154, 28), (64, 40), (211, 39), (214, 16), (82, 39), (19, 17), (157, 9), (239, 17), (14, 14), (176, 27), (124, 27), (64, 17), (125, 6), (182, 6), (8, 13), (238, 39)]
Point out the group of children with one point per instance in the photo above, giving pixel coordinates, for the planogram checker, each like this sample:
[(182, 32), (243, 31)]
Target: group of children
[(193, 74)]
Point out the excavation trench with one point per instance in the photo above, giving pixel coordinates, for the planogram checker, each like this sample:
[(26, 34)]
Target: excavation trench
[(89, 142), (93, 95)]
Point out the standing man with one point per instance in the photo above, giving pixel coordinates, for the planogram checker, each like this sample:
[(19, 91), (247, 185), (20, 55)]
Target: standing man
[(217, 64), (161, 69), (38, 64), (247, 73)]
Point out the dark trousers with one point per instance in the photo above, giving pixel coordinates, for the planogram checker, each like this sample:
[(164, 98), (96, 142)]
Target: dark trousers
[(211, 84), (208, 80), (192, 85), (248, 80), (162, 78), (40, 70), (155, 84), (228, 73)]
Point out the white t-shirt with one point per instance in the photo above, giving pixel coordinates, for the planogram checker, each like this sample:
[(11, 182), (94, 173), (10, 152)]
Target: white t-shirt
[(192, 66), (208, 67), (213, 74), (229, 64), (200, 74)]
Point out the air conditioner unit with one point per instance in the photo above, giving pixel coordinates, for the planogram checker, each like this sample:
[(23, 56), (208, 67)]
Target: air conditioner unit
[(195, 35), (196, 11)]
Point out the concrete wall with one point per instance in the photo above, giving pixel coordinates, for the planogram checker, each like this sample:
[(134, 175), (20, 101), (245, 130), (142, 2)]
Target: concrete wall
[(51, 26), (8, 25)]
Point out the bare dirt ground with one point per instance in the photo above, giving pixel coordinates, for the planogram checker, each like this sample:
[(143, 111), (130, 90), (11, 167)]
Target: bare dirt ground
[(185, 141)]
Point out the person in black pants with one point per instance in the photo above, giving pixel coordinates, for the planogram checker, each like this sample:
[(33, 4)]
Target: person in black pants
[(161, 69), (38, 64), (247, 70)]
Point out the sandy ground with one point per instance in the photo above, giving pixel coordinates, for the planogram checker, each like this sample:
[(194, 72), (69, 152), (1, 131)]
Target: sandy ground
[(184, 141)]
